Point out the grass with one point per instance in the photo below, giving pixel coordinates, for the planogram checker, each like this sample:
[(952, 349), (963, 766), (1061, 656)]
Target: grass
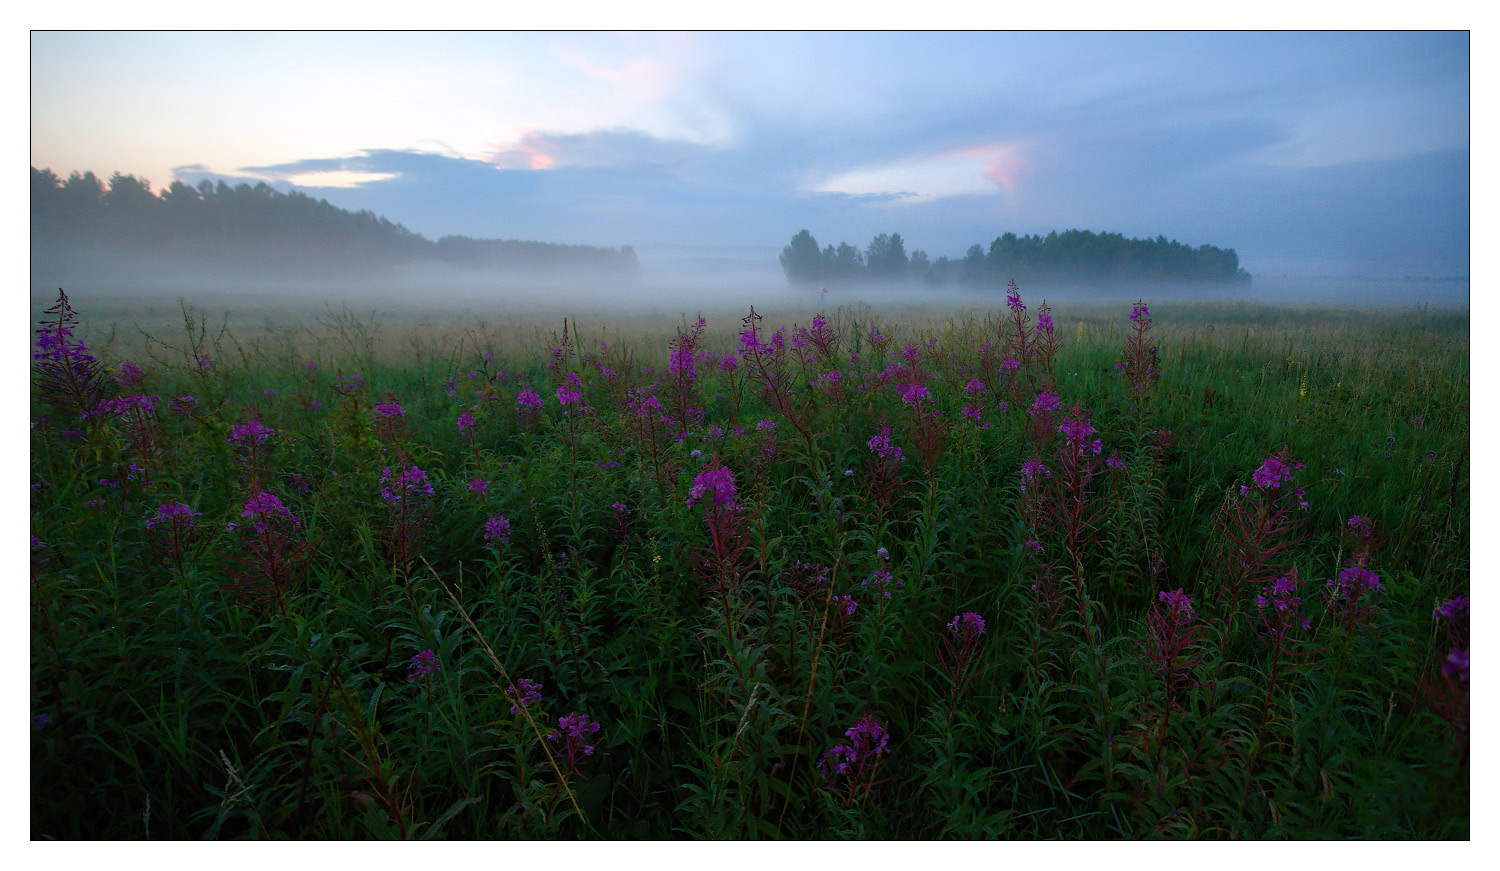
[(192, 690)]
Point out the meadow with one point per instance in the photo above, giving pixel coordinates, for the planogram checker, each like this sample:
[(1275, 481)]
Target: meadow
[(1177, 570)]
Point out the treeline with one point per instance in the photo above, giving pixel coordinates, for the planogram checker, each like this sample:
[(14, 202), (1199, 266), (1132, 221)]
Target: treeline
[(259, 225), (1073, 255)]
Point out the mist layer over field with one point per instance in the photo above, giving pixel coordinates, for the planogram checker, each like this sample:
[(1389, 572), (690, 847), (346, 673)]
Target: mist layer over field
[(146, 293)]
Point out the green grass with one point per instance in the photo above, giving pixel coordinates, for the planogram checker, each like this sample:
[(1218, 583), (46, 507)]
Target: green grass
[(167, 690)]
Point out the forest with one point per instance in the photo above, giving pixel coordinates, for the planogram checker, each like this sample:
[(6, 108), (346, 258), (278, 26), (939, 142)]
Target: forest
[(1073, 255), (259, 227)]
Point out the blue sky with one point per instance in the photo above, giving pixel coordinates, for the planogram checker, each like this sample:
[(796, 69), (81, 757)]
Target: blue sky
[(1308, 153)]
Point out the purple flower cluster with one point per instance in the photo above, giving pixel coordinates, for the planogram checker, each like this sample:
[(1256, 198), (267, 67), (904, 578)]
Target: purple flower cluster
[(262, 508), (53, 343), (497, 530), (680, 362), (251, 432), (808, 579), (1353, 582), (574, 729), (348, 385), (966, 625), (1045, 402), (718, 483), (1271, 473), (130, 375), (525, 692), (122, 406), (572, 392), (1281, 599), (1140, 314), (1276, 470), (479, 487), (1013, 299), (882, 581), (423, 665), (528, 400), (1076, 430), (1032, 471), (404, 484), (1179, 604), (172, 513), (1454, 610), (880, 445), (183, 405), (465, 423), (390, 409), (867, 741), (1456, 665), (642, 404), (911, 394)]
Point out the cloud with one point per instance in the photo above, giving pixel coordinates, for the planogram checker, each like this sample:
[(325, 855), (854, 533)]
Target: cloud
[(643, 80), (970, 171), (336, 172), (1203, 183), (541, 150)]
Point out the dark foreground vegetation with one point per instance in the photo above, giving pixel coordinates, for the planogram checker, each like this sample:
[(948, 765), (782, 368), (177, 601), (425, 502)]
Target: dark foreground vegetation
[(992, 577)]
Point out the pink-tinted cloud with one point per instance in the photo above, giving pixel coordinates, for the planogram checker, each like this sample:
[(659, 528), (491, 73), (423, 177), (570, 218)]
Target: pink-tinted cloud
[(974, 170), (1005, 163), (534, 150), (539, 150), (643, 80)]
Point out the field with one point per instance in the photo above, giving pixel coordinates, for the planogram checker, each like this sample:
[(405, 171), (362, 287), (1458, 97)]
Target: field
[(1179, 570)]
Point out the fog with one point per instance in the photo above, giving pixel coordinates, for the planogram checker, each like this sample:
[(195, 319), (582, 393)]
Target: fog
[(146, 291)]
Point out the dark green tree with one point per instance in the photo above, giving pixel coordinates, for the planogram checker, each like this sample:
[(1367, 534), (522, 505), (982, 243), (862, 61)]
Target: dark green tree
[(917, 267), (801, 260)]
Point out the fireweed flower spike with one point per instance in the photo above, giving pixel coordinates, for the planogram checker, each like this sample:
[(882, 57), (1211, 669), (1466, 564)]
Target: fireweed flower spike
[(1172, 635), (717, 484), (858, 762), (272, 549), (1139, 365), (406, 495), (1452, 619), (525, 692), (959, 651), (720, 563), (528, 401), (423, 665), (174, 525), (1256, 533), (1456, 666), (1045, 403), (497, 531), (68, 375), (574, 731)]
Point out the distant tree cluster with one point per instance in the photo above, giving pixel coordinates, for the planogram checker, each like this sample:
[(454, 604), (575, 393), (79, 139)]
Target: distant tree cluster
[(248, 224), (885, 260), (1073, 255)]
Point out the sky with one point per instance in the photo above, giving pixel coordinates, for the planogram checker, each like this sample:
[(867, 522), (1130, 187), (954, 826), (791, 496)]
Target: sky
[(1310, 154)]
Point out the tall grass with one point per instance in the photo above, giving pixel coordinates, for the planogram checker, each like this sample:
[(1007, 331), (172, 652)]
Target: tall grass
[(787, 661)]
